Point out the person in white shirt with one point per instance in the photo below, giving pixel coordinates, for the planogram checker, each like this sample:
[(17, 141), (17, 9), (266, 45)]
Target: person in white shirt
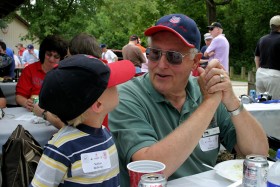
[(108, 54), (30, 55)]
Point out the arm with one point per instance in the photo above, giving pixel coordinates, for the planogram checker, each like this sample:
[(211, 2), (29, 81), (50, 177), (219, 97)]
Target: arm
[(251, 138), (3, 101), (182, 141), (208, 54), (257, 61), (25, 102), (54, 120)]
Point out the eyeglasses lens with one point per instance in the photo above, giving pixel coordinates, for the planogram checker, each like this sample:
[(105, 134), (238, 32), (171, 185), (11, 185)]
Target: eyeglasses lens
[(173, 57), (154, 54)]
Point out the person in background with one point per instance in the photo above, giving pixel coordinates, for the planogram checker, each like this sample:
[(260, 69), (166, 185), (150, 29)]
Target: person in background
[(17, 60), (131, 52), (91, 93), (52, 49), (204, 60), (143, 49), (3, 101), (30, 55), (7, 63), (21, 49), (108, 54), (84, 43), (219, 47), (169, 116), (10, 53), (267, 60)]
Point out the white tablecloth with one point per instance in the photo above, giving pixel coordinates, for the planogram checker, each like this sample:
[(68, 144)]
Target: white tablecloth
[(9, 90), (41, 132), (268, 115), (205, 179)]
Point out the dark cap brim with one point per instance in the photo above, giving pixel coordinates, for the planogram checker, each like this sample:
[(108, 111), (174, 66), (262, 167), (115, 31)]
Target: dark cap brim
[(154, 29)]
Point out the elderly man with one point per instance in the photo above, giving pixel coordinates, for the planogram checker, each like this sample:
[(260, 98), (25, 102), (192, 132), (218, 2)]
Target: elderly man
[(30, 55), (219, 47), (166, 115)]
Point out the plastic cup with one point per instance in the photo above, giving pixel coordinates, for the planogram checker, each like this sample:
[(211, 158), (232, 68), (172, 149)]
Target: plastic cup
[(138, 168)]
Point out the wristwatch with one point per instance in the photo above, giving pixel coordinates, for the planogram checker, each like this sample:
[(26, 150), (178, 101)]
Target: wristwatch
[(237, 111), (44, 115)]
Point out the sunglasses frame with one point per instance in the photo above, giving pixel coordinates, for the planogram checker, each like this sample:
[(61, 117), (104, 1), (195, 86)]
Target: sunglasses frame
[(161, 52)]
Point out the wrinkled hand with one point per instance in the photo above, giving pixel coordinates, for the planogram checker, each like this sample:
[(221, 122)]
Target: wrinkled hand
[(203, 87), (217, 80), (37, 110)]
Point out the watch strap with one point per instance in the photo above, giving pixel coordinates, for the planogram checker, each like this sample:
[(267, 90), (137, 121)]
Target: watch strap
[(44, 115), (237, 111)]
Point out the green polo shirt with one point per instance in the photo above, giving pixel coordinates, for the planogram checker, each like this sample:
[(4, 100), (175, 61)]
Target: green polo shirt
[(144, 117)]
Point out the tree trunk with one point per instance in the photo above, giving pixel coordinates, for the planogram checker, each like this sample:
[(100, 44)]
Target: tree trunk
[(211, 11)]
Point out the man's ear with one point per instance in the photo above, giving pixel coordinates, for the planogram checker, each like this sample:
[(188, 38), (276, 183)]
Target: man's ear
[(196, 60)]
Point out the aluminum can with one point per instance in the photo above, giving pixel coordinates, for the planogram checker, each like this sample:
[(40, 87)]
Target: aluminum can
[(255, 168), (153, 180), (35, 99), (253, 95)]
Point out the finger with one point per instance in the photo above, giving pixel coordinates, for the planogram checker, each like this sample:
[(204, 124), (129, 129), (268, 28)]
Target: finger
[(200, 70)]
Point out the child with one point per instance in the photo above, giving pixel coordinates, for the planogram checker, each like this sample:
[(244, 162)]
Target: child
[(81, 91)]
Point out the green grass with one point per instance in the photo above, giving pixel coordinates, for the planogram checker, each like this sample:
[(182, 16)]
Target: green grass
[(238, 78)]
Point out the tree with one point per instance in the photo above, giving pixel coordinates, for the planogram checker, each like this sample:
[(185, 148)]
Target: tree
[(212, 9), (63, 17)]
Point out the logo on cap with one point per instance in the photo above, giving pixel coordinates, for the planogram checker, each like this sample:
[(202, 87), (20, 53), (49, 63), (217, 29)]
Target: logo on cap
[(175, 19)]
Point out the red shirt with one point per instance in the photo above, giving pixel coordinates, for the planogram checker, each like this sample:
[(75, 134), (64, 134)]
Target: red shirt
[(30, 80), (21, 51)]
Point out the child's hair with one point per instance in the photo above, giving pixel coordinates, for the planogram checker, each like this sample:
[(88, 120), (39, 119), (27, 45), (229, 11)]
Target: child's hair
[(78, 120)]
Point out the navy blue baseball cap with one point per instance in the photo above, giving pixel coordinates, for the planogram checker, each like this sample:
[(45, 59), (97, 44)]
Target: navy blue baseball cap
[(181, 25)]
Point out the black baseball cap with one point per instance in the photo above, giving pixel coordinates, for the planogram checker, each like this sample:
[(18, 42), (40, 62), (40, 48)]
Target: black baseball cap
[(215, 24), (78, 81)]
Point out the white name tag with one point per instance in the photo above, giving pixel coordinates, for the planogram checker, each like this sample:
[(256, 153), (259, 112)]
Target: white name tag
[(95, 161), (211, 132), (209, 143)]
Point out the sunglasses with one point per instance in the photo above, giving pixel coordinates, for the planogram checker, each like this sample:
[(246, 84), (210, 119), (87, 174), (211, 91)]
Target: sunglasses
[(173, 57), (49, 54), (212, 28)]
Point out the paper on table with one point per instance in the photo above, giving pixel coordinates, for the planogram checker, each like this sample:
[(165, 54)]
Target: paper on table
[(26, 117)]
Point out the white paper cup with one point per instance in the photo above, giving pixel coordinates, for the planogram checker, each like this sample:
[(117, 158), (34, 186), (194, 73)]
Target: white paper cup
[(138, 168)]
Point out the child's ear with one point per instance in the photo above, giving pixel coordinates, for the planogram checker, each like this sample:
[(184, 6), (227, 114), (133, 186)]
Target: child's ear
[(97, 106)]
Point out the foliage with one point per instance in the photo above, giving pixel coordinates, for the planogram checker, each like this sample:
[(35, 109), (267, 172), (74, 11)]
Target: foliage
[(63, 17), (113, 21)]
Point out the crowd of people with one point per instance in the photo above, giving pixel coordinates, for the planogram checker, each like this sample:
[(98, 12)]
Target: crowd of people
[(162, 115)]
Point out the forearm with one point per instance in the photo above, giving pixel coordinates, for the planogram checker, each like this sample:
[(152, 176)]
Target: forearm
[(178, 145), (257, 61), (251, 138), (3, 102), (20, 100), (54, 120)]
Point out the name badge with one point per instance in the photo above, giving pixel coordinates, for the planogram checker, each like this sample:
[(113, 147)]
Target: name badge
[(209, 143), (211, 132), (95, 161)]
